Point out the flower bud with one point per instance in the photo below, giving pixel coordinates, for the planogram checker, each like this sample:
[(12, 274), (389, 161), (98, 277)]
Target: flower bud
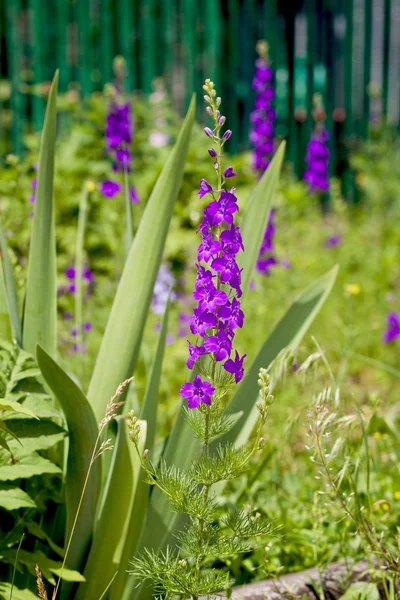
[(212, 152), (207, 98), (217, 114), (227, 134), (221, 121), (208, 132), (218, 101), (90, 186), (209, 110), (260, 405), (261, 442), (146, 453)]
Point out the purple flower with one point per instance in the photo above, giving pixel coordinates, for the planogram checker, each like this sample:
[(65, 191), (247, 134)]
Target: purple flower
[(333, 241), (263, 117), (123, 156), (317, 159), (223, 209), (205, 188), (229, 173), (392, 332), (266, 258), (208, 248), (232, 313), (197, 392), (134, 195), (209, 297), (194, 353), (87, 326), (226, 266), (235, 366), (220, 345), (87, 275), (70, 273), (110, 188), (74, 331), (218, 312), (232, 239), (201, 321), (67, 316)]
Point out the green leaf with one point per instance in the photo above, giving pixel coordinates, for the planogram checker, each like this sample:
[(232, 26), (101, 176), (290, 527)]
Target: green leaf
[(33, 436), (11, 289), (255, 217), (83, 431), (25, 467), (5, 323), (121, 341), (47, 566), (17, 594), (116, 510), (16, 407), (13, 498), (123, 584), (40, 311), (362, 590), (287, 333)]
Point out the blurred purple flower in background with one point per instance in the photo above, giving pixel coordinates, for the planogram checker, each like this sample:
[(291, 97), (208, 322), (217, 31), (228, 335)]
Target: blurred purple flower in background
[(163, 288), (333, 241), (263, 116), (392, 332), (317, 157)]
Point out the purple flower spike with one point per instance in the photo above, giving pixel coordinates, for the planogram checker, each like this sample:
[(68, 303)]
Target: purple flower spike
[(205, 188), (109, 188), (223, 209), (235, 367), (392, 332), (197, 392), (229, 173), (220, 345)]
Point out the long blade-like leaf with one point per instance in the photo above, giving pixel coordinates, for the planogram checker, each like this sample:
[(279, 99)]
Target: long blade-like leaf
[(123, 585), (11, 288), (5, 322), (112, 523), (40, 312), (287, 333), (255, 217), (121, 341), (83, 431)]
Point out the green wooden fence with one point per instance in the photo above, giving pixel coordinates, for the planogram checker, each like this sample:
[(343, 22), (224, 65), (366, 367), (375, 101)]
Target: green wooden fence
[(335, 47)]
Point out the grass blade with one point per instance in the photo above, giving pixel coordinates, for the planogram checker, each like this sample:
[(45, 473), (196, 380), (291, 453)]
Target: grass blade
[(83, 431), (255, 217), (40, 312), (11, 288)]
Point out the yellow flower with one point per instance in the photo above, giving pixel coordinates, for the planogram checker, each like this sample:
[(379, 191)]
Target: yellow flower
[(347, 523), (385, 506), (352, 288), (91, 186), (377, 435), (397, 495)]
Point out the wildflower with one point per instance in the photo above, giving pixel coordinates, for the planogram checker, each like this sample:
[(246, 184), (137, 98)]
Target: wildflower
[(397, 495), (205, 188), (218, 312), (392, 332), (377, 435), (235, 366), (90, 186), (333, 241), (87, 326), (109, 188), (317, 157), (197, 392), (352, 288), (266, 259), (70, 273), (263, 117)]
